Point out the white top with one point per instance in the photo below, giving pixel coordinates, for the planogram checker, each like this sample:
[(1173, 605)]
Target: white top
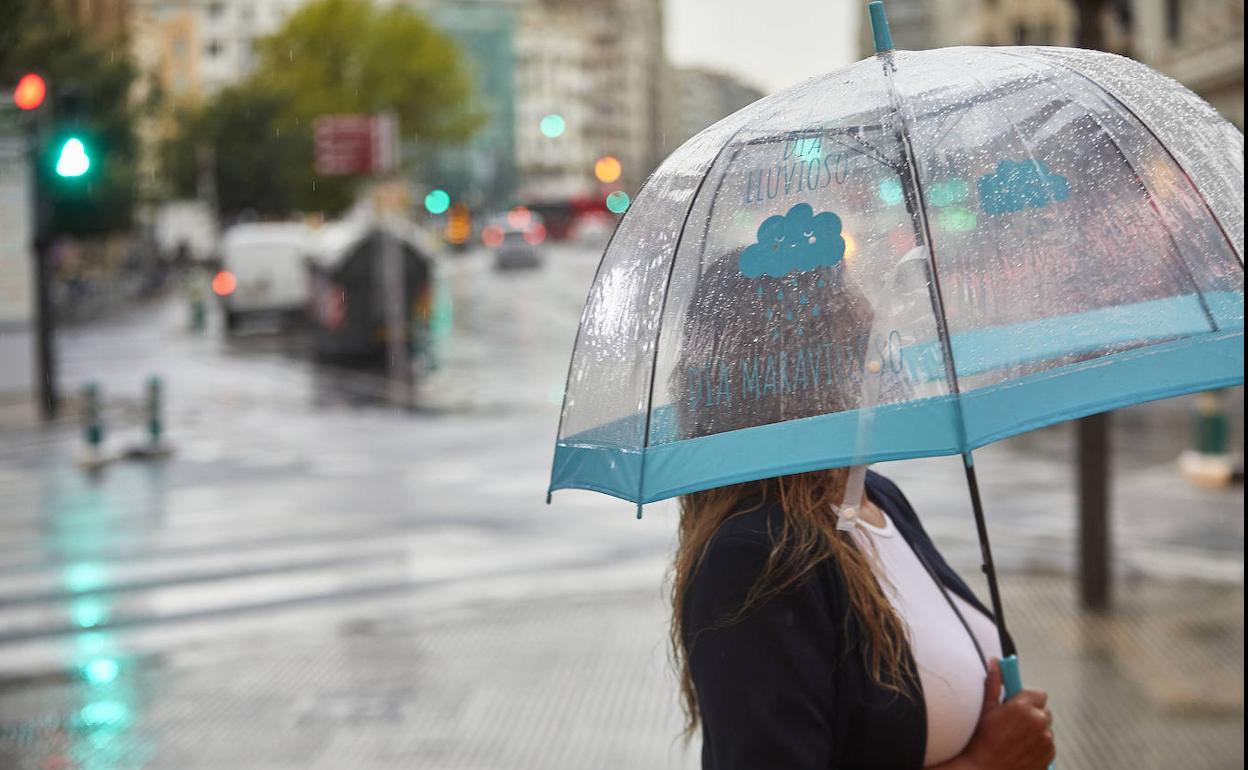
[(950, 671)]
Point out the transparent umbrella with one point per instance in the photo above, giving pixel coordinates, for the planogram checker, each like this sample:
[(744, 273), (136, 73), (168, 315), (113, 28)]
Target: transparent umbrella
[(916, 255)]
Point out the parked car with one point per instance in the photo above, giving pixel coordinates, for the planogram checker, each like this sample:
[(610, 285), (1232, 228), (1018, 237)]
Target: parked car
[(515, 238), (263, 272)]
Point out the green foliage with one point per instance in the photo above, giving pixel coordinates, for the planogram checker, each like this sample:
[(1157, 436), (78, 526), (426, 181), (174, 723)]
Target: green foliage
[(36, 38), (343, 56), (260, 156), (331, 57)]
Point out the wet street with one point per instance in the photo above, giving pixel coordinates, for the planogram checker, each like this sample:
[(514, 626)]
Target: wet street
[(315, 578)]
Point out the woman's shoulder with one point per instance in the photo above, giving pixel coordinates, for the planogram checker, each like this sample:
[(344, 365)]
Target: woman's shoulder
[(741, 556), (744, 548)]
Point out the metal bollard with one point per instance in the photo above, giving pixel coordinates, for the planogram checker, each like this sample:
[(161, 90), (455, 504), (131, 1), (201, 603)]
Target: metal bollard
[(155, 425), (93, 425), (1210, 424), (199, 314), (1208, 463)]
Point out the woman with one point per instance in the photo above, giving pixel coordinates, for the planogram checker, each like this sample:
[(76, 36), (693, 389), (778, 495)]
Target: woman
[(802, 645)]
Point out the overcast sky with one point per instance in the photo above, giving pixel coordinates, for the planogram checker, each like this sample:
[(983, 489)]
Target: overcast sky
[(768, 43)]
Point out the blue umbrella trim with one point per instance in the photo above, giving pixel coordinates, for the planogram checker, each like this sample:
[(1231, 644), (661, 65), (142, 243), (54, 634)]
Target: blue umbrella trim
[(922, 428)]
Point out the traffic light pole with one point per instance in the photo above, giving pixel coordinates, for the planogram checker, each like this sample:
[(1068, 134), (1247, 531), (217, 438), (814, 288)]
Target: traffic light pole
[(41, 251)]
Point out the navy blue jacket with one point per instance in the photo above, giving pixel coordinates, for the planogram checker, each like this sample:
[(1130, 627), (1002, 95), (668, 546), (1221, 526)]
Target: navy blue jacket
[(786, 687)]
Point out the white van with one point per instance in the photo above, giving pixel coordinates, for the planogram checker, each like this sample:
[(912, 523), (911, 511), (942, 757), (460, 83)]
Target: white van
[(263, 270)]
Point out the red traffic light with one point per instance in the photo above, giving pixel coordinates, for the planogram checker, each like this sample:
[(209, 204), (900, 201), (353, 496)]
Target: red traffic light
[(30, 92)]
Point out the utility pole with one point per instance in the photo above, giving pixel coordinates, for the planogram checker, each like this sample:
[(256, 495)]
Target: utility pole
[(45, 322), (30, 97), (1093, 433), (1095, 553)]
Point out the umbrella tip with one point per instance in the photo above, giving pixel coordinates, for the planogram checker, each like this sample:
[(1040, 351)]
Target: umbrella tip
[(879, 27), (639, 511)]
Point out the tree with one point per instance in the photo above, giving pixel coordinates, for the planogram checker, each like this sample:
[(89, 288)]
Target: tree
[(35, 37), (337, 56), (331, 57), (259, 156)]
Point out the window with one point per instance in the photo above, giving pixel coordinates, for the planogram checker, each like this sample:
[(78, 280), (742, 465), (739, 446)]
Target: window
[(214, 48), (1174, 21)]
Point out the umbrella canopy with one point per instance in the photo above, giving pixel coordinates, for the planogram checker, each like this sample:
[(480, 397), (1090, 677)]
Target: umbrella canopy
[(915, 255)]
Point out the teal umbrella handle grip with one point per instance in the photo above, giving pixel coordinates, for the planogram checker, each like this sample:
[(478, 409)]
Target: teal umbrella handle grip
[(1012, 677)]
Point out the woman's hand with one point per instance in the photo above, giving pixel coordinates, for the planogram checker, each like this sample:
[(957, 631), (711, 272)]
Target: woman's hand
[(1014, 735)]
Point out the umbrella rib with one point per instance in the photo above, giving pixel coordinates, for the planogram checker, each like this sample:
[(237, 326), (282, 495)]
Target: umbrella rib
[(833, 135), (658, 334), (915, 203)]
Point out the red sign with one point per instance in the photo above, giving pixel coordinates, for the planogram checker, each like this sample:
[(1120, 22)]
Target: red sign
[(356, 144)]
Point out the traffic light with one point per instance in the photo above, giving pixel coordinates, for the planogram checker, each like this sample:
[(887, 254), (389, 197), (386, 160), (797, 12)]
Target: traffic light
[(437, 201), (30, 92), (552, 126), (59, 144), (617, 202), (72, 160), (459, 225), (69, 150)]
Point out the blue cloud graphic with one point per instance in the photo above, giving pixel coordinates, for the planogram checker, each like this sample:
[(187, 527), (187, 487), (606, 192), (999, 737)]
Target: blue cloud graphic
[(1017, 186), (796, 242)]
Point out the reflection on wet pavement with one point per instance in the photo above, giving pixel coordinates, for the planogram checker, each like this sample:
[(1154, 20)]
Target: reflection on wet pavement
[(319, 579)]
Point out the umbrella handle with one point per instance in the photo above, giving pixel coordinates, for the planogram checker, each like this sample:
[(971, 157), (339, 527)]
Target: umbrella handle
[(1013, 679)]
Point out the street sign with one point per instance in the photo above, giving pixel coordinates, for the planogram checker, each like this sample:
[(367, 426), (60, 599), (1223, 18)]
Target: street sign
[(350, 145)]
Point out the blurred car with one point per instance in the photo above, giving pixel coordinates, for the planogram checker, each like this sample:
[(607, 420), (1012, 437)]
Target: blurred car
[(516, 253), (515, 238), (263, 272)]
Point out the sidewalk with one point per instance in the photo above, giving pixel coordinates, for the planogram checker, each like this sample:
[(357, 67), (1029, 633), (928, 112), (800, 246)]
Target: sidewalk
[(567, 679)]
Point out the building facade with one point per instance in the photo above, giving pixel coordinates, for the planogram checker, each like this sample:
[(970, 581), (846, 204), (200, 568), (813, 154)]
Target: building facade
[(921, 24), (598, 64), (481, 172), (1200, 43), (695, 98), (555, 81), (194, 48), (103, 19)]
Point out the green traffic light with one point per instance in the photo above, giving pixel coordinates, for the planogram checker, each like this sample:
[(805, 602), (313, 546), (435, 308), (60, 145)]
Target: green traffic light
[(552, 126), (437, 201), (72, 160), (617, 202)]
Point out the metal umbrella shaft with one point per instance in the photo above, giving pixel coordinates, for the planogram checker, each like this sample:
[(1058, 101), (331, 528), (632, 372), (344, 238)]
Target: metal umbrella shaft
[(913, 197)]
